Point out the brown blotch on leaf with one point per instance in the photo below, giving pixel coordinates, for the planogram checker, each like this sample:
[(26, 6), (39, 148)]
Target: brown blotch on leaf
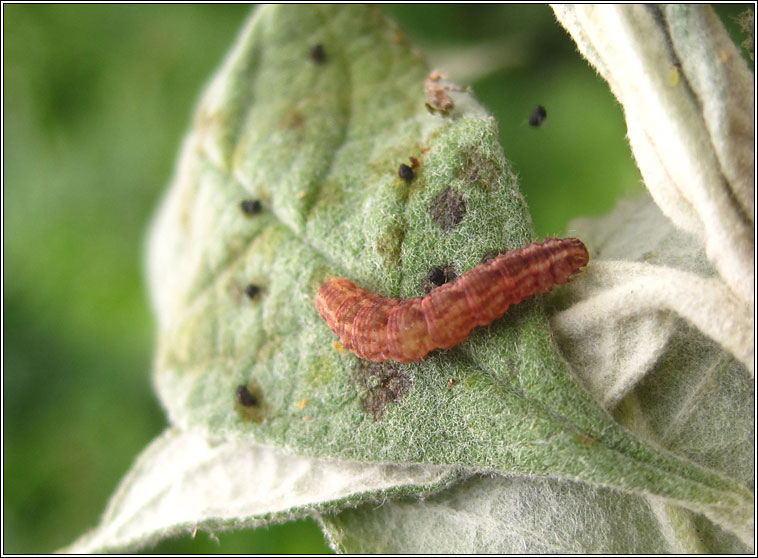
[(389, 244), (478, 169), (384, 383), (447, 209)]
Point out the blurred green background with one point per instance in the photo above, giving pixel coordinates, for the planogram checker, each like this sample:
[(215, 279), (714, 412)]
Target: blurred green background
[(96, 99)]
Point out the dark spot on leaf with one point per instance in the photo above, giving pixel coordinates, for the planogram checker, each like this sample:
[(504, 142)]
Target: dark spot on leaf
[(250, 207), (451, 382), (384, 383), (538, 116), (244, 397), (317, 54), (405, 172), (438, 275), (447, 209), (248, 400), (252, 291)]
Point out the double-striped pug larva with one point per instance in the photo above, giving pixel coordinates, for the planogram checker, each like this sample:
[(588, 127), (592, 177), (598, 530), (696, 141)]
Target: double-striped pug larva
[(378, 328)]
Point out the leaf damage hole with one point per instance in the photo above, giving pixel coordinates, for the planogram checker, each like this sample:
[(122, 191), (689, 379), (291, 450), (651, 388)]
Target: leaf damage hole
[(384, 383), (448, 209)]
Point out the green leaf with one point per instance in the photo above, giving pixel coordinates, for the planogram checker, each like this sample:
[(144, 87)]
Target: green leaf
[(319, 142)]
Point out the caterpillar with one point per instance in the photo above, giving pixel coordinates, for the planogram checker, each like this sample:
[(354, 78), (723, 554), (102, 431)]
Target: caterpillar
[(378, 328)]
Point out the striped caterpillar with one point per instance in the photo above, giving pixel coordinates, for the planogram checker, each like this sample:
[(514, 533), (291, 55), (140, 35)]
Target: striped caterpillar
[(378, 328)]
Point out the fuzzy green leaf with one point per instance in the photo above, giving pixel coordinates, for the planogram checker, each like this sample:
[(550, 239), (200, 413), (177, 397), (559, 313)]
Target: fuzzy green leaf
[(317, 139)]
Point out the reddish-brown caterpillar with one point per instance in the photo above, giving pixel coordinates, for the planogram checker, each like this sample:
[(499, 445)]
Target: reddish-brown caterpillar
[(378, 328)]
